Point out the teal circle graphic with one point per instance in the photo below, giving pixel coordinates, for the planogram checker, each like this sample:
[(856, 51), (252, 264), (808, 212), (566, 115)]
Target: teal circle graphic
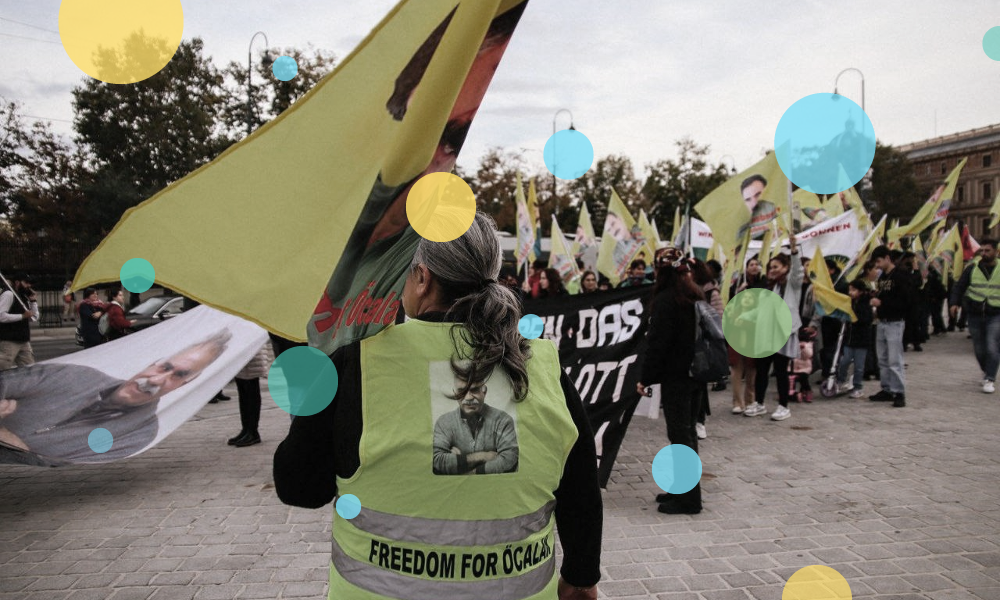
[(757, 322), (100, 440), (676, 469), (137, 275), (531, 326), (824, 143), (302, 381), (348, 506), (991, 43), (568, 154), (285, 68)]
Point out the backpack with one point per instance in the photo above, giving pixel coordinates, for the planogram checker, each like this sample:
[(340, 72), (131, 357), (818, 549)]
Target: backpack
[(104, 324), (711, 359)]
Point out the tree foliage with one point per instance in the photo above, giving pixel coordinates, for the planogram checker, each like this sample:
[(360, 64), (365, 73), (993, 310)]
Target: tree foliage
[(612, 172), (894, 190), (672, 183)]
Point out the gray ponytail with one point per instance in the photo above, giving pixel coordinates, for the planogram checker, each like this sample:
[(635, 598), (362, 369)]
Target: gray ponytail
[(466, 268)]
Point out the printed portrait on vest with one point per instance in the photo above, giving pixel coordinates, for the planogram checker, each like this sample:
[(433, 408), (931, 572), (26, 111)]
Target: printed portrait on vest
[(475, 429)]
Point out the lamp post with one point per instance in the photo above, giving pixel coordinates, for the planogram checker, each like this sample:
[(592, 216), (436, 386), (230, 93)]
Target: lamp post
[(555, 201), (862, 83), (267, 61)]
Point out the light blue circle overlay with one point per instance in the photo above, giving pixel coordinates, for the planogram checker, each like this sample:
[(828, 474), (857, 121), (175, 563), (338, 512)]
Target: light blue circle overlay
[(285, 68), (302, 381), (676, 469), (100, 440), (824, 143), (137, 275), (348, 506), (531, 326), (991, 43), (568, 154)]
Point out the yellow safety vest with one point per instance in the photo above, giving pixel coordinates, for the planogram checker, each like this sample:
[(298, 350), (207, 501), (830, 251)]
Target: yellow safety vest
[(982, 289), (427, 536)]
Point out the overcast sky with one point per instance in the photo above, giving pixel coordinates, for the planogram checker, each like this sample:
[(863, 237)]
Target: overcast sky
[(636, 74)]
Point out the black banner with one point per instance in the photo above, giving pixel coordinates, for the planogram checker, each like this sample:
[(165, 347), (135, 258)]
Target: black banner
[(601, 337)]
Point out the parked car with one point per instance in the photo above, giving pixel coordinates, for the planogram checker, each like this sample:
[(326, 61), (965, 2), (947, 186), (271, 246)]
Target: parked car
[(155, 310)]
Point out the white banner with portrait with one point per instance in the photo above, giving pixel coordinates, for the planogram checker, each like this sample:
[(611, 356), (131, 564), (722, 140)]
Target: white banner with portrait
[(122, 397)]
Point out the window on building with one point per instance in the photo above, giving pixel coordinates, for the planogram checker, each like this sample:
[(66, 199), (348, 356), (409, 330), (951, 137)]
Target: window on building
[(987, 191), (985, 231), (987, 160), (960, 194), (944, 168)]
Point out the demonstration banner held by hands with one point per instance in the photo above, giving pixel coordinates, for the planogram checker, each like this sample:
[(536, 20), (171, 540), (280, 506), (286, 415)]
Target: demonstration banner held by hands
[(121, 398)]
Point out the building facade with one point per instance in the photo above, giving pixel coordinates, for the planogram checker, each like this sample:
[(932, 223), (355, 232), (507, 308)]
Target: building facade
[(979, 182)]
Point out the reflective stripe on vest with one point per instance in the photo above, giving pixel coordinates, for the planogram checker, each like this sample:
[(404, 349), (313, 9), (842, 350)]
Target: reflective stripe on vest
[(425, 535), (984, 290)]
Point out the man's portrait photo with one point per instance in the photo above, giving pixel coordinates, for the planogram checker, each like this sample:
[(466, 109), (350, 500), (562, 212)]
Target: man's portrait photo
[(762, 212), (48, 410), (479, 435)]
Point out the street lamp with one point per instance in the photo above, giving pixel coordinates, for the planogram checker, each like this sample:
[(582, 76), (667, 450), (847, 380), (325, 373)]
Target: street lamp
[(862, 84), (555, 201), (267, 61)]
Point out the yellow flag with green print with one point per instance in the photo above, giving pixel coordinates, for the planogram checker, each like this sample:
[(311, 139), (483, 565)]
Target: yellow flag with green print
[(313, 203), (560, 258), (652, 240), (995, 212), (621, 241), (829, 302), (929, 212), (874, 240)]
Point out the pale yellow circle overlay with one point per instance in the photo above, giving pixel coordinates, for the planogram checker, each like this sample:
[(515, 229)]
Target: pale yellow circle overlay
[(816, 582), (440, 207), (121, 41)]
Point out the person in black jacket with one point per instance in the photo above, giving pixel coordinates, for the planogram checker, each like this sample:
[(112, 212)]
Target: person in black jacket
[(892, 304), (936, 296), (669, 353), (857, 338)]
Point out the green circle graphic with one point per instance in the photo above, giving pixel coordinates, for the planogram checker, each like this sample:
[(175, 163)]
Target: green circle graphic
[(757, 323)]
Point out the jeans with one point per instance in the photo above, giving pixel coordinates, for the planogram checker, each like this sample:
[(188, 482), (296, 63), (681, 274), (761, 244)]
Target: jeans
[(856, 356), (985, 330), (889, 344)]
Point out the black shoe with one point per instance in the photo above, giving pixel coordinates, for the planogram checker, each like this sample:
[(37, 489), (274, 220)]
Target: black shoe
[(882, 396), (242, 434), (220, 396), (213, 401), (672, 508), (248, 440), (719, 386), (898, 400), (917, 348)]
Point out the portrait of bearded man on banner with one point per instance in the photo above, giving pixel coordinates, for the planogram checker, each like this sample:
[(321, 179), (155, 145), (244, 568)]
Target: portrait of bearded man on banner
[(363, 294)]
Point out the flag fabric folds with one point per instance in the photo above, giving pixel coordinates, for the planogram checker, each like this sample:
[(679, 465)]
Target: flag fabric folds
[(995, 212), (929, 212), (525, 227), (241, 235), (585, 245), (874, 240), (560, 258), (621, 241), (829, 303)]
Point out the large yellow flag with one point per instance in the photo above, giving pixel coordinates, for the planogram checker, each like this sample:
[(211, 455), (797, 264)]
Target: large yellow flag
[(676, 231), (585, 244), (652, 239), (747, 203), (948, 254), (928, 213), (621, 241), (536, 250), (322, 189), (995, 212), (829, 302)]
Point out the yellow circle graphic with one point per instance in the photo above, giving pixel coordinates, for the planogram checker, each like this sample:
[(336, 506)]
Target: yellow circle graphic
[(121, 41), (816, 582), (440, 207)]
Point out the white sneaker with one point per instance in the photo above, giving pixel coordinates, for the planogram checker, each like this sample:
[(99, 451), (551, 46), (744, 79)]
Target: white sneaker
[(843, 388), (754, 410), (988, 387), (858, 394), (699, 428), (737, 410), (781, 414)]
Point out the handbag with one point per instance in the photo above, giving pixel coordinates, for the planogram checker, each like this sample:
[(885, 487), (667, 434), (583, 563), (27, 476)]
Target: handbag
[(711, 360)]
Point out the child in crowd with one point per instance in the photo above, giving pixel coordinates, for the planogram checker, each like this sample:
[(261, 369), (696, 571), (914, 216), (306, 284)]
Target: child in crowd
[(802, 367), (857, 338)]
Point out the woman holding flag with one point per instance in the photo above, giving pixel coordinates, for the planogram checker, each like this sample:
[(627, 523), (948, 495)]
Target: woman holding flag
[(784, 277)]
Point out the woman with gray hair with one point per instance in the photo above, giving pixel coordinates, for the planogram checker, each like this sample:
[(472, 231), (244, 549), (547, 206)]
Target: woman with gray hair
[(458, 388)]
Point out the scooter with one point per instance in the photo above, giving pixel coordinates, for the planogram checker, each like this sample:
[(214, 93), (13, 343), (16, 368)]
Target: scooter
[(829, 385)]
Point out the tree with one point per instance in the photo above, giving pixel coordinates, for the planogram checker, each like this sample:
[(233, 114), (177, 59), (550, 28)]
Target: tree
[(894, 190), (495, 185), (613, 172), (12, 136), (672, 183), (141, 137), (269, 95)]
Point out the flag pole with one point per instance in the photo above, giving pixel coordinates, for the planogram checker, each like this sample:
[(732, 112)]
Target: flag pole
[(14, 292)]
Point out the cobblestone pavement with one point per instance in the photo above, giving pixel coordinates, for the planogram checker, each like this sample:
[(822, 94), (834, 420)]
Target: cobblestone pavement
[(905, 503)]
